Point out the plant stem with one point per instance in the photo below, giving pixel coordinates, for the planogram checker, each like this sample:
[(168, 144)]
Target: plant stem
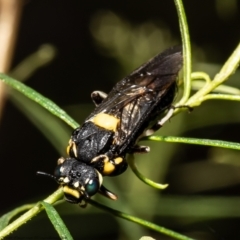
[(226, 71), (30, 214), (187, 59)]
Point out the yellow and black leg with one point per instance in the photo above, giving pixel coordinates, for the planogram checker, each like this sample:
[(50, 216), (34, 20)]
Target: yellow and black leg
[(109, 167)]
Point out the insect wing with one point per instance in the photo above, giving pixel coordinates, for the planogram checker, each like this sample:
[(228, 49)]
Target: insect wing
[(142, 95)]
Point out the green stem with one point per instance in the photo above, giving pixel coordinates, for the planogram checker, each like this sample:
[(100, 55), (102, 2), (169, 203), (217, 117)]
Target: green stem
[(205, 142), (26, 68), (226, 71), (220, 97), (201, 75), (149, 182), (40, 99), (30, 214), (198, 84), (187, 60), (140, 221)]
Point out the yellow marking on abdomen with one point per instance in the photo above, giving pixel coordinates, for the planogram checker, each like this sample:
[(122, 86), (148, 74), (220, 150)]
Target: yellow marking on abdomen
[(106, 121)]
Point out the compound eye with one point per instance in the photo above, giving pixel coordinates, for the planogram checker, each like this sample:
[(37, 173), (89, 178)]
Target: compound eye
[(57, 171), (92, 186)]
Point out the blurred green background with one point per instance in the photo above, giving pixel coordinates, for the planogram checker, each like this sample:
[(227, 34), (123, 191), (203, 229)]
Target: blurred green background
[(97, 44)]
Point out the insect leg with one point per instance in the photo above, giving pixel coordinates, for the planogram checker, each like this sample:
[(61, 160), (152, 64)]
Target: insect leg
[(109, 167), (98, 97), (160, 123), (140, 149), (105, 192)]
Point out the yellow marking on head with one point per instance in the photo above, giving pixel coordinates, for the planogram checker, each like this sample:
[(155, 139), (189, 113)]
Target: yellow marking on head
[(66, 180), (106, 121), (71, 191), (87, 180), (118, 160), (76, 184)]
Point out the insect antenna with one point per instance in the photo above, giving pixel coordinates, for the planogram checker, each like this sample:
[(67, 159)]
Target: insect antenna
[(47, 175)]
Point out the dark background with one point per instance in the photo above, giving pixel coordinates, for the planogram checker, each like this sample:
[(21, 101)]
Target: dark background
[(79, 68)]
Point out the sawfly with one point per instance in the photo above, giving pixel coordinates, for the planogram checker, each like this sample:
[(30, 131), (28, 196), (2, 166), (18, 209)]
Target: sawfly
[(129, 112)]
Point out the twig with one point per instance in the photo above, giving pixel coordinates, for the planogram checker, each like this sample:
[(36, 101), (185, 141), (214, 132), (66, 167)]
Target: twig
[(10, 13)]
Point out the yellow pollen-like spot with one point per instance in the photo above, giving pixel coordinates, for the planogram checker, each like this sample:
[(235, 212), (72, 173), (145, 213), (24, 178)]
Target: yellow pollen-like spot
[(108, 168), (106, 121), (71, 191), (118, 160)]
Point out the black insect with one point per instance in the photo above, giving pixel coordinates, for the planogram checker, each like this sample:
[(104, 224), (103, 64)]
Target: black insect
[(130, 111)]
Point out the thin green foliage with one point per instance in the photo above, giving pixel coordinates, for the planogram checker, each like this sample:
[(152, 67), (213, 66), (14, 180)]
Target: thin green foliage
[(53, 198), (40, 99), (149, 182), (140, 221), (57, 222), (197, 141), (204, 93), (6, 218), (187, 59)]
